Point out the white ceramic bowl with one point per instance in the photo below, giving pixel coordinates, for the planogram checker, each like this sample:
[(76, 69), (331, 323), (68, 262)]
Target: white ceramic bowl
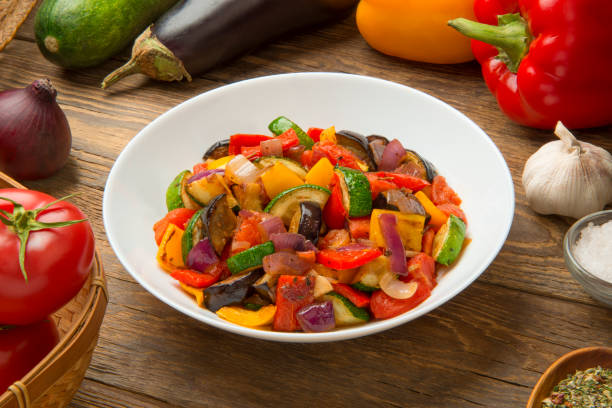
[(134, 197)]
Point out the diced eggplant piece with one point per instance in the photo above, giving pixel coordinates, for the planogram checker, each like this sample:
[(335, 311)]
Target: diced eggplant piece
[(399, 200), (217, 150), (310, 220), (230, 291), (219, 221), (358, 145), (415, 165), (381, 202), (376, 147), (266, 286), (372, 138)]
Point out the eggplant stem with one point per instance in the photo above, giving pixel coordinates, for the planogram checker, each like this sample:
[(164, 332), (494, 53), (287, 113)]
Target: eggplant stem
[(130, 68)]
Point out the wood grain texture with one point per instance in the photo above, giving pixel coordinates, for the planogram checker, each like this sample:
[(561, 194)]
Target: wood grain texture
[(486, 347)]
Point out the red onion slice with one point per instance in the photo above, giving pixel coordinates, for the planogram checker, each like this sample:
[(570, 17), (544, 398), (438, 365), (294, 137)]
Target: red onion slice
[(291, 241), (393, 242), (271, 147), (203, 174), (295, 153), (392, 155), (272, 225), (356, 246), (286, 263), (201, 256), (395, 287), (318, 317)]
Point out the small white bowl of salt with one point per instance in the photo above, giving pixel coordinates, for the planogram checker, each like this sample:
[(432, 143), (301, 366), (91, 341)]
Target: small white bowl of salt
[(587, 249)]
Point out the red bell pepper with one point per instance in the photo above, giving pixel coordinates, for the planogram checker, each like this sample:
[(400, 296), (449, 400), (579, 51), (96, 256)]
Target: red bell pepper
[(384, 179), (292, 293), (288, 139), (350, 259), (240, 140), (334, 212), (421, 268), (178, 217), (548, 61), (336, 155), (315, 134), (200, 280), (442, 193), (358, 298)]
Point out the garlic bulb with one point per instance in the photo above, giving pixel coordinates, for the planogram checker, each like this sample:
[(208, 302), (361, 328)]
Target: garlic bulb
[(568, 177)]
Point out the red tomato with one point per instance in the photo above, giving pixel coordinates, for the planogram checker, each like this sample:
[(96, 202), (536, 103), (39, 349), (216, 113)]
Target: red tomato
[(442, 193), (292, 293), (384, 306), (21, 348), (57, 260), (448, 208), (422, 268), (336, 154), (248, 230), (359, 227)]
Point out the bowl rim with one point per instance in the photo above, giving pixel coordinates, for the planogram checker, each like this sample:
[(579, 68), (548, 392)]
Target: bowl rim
[(343, 333), (567, 245)]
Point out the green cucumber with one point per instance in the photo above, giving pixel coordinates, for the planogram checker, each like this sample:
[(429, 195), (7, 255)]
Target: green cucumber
[(356, 192), (282, 124), (345, 312), (84, 33), (250, 258), (288, 202), (364, 288), (176, 193), (192, 234), (292, 165), (448, 241)]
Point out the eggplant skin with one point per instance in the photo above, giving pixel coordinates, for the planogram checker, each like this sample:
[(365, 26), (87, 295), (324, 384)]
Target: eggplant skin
[(230, 291), (206, 33), (217, 150)]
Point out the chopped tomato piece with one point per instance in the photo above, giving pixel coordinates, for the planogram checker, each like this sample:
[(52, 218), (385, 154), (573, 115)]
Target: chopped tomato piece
[(292, 293), (248, 231), (337, 155), (358, 298), (178, 217), (442, 193), (448, 209), (335, 238), (427, 242), (347, 259), (359, 227), (307, 159), (314, 133), (200, 167), (384, 306), (421, 268)]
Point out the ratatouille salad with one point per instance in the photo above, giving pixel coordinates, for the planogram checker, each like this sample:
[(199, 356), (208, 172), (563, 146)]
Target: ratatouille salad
[(309, 230)]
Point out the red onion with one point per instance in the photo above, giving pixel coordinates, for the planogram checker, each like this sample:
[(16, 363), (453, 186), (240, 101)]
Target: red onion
[(203, 174), (201, 256), (377, 147), (35, 137), (318, 317), (396, 288), (271, 147), (295, 153), (355, 246), (291, 241), (272, 225), (393, 241), (286, 263), (392, 155)]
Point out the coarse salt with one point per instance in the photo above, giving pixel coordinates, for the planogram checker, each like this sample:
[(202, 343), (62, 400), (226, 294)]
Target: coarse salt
[(593, 250)]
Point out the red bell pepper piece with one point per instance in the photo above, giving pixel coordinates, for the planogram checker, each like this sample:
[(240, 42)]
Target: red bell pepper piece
[(383, 181), (336, 155), (357, 297), (240, 140), (384, 306), (334, 212), (359, 227), (421, 268), (288, 139), (306, 159), (350, 259), (178, 217), (441, 192), (292, 293), (315, 134), (200, 280), (555, 62)]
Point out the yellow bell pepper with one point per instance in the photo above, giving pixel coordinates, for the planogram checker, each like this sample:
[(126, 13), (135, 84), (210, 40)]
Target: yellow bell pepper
[(438, 218), (409, 226), (416, 29), (278, 179), (249, 318), (170, 253), (329, 134), (220, 163), (195, 292), (321, 173)]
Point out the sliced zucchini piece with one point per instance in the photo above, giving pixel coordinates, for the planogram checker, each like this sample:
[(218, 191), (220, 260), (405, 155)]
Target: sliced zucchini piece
[(358, 145), (288, 202), (202, 191), (356, 193), (230, 291), (217, 150), (282, 124), (448, 241), (219, 222), (250, 258), (176, 194), (269, 161), (364, 288), (345, 312), (194, 232), (415, 165), (368, 277)]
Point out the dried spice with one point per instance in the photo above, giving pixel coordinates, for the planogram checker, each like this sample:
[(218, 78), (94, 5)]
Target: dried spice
[(12, 14), (591, 388)]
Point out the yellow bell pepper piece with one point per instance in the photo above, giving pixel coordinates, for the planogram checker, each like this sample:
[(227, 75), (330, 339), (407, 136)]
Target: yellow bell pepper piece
[(220, 163), (249, 318), (410, 228), (321, 173), (416, 29), (169, 253), (195, 292), (329, 134), (438, 218), (278, 179)]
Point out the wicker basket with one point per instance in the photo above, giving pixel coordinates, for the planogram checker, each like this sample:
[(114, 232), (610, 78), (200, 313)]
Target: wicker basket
[(55, 380)]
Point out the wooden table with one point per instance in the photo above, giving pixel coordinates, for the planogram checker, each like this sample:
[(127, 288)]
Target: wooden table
[(485, 347)]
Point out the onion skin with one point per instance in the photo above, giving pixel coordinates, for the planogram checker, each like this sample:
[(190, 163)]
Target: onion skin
[(35, 137), (392, 156)]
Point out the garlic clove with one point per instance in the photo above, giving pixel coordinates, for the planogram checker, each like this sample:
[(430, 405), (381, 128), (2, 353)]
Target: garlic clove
[(568, 177)]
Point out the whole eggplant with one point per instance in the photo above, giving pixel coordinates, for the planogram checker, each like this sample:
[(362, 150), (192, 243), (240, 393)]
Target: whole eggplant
[(196, 35)]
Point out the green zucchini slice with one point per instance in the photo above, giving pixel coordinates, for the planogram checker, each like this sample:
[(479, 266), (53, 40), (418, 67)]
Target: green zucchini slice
[(282, 124), (356, 193), (449, 240), (176, 193), (288, 202), (250, 259), (292, 165), (345, 312)]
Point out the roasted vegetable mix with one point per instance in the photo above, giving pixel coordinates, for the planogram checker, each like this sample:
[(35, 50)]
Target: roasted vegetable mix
[(309, 230)]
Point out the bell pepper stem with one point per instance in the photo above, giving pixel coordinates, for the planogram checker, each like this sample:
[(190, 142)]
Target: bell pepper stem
[(511, 36)]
